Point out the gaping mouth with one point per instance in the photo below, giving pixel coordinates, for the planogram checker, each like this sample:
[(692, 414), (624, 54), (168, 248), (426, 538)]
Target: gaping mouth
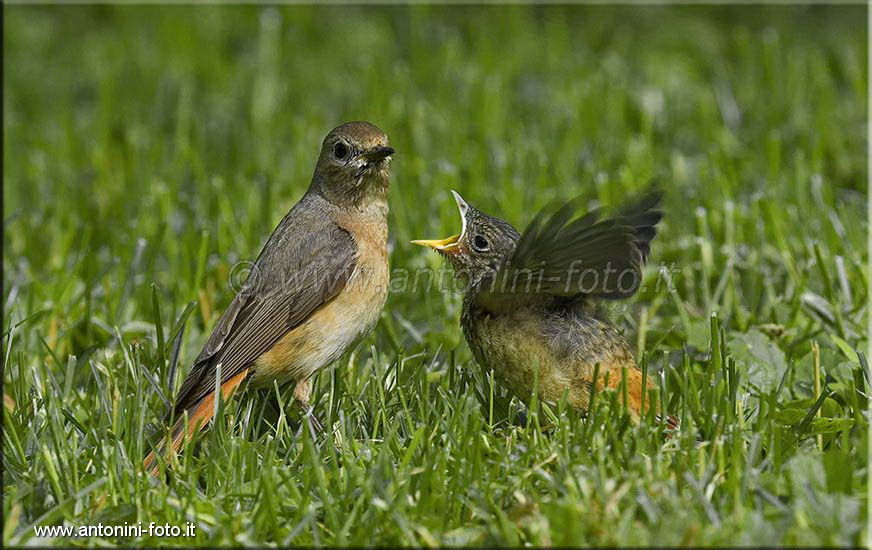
[(439, 244), (448, 243)]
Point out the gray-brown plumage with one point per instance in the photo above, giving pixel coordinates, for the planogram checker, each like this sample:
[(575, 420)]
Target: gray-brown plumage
[(317, 287), (534, 300)]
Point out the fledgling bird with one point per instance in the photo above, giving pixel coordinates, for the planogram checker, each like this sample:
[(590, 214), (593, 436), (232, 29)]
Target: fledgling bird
[(317, 287), (535, 300)]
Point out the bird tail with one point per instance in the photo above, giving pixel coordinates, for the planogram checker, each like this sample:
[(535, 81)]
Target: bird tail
[(634, 398), (191, 421)]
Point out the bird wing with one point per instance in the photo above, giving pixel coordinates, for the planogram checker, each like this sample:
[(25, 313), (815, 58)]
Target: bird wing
[(560, 254), (299, 270)]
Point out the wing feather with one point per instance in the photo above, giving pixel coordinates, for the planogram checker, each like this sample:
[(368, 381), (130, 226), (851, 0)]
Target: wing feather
[(298, 271), (560, 254)]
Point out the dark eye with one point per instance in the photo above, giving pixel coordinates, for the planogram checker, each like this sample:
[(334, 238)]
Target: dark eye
[(479, 243), (340, 150)]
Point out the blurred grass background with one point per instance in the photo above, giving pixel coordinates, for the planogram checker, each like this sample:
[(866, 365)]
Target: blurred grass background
[(147, 149)]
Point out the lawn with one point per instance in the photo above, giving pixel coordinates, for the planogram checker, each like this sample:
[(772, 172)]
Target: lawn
[(147, 150)]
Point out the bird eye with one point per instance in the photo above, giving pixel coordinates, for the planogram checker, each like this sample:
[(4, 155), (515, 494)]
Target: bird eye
[(340, 150), (479, 243)]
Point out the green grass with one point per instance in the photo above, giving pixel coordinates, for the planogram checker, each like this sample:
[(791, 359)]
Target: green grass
[(146, 150)]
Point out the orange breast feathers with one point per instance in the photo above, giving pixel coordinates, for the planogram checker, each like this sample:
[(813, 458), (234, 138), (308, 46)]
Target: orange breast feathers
[(330, 330)]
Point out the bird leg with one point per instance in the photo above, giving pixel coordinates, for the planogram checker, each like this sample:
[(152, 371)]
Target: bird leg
[(302, 392)]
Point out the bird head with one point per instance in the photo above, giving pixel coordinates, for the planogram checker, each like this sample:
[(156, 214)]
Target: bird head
[(484, 243), (354, 164)]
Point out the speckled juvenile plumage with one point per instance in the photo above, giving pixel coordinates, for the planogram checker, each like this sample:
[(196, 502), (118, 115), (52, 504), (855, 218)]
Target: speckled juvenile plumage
[(526, 308), (564, 343)]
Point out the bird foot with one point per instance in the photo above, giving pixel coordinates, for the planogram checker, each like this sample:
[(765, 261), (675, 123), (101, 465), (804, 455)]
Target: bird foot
[(315, 426)]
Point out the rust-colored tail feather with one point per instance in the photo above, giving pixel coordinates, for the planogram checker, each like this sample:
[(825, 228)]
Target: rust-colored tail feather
[(634, 397), (196, 419)]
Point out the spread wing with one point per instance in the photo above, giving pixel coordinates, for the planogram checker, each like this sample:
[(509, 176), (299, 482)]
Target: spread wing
[(560, 254), (299, 269)]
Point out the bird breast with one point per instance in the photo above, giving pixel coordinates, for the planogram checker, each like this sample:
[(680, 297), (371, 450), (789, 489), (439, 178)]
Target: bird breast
[(557, 350), (334, 327)]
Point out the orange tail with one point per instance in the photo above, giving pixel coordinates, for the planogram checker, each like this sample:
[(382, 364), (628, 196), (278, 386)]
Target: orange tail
[(634, 396), (634, 389), (196, 419)]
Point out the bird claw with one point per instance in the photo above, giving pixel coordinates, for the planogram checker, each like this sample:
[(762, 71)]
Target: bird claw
[(316, 430), (315, 426)]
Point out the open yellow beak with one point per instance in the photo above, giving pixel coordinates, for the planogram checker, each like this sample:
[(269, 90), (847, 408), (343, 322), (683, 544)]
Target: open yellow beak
[(448, 242), (441, 244)]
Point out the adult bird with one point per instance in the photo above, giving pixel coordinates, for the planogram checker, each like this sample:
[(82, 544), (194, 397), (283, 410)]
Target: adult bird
[(317, 287)]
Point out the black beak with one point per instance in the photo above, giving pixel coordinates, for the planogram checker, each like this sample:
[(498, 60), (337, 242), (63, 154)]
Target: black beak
[(378, 154)]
